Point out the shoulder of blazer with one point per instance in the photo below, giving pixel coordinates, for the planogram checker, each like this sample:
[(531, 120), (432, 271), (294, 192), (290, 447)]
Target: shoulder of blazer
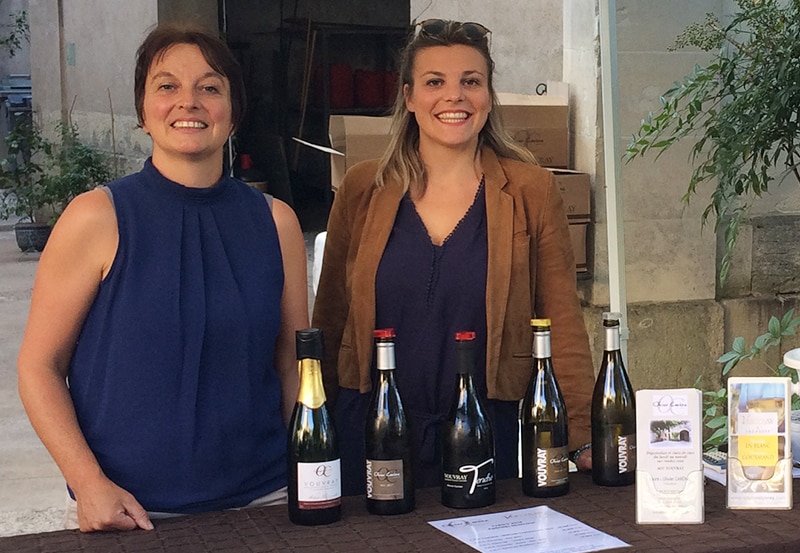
[(360, 191), (533, 189), (360, 178), (526, 177)]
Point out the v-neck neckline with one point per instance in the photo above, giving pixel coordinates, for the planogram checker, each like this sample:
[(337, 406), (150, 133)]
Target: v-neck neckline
[(457, 225)]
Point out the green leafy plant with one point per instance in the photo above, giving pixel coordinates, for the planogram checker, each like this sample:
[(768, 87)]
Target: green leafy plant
[(740, 109), (40, 175), (22, 173), (715, 402), (74, 168), (15, 32)]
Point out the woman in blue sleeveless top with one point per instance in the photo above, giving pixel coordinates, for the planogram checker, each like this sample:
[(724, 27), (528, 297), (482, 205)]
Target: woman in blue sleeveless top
[(158, 362)]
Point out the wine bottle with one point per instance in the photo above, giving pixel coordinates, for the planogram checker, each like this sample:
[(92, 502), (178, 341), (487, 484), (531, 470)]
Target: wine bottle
[(545, 447), (389, 478), (315, 485), (613, 415), (468, 472)]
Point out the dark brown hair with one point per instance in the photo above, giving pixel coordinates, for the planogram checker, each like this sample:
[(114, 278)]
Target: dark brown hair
[(214, 50)]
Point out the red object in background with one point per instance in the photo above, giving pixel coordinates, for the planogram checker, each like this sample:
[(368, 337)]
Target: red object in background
[(369, 88), (341, 86), (246, 172), (245, 161), (390, 79)]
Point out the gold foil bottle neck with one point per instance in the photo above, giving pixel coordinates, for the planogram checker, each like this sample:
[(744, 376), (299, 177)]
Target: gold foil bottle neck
[(311, 393)]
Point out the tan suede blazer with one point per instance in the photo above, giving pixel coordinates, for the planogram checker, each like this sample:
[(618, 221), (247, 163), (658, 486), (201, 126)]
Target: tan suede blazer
[(531, 272)]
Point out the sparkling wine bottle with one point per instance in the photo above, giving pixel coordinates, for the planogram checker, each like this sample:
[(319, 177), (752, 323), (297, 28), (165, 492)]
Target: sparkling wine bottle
[(468, 472), (545, 451), (315, 486), (389, 478), (613, 415)]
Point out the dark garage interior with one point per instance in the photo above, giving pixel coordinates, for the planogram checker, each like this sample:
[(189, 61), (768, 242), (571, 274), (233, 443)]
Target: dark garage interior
[(303, 61)]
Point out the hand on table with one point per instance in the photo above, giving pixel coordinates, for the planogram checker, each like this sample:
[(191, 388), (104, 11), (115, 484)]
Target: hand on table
[(106, 506), (584, 460)]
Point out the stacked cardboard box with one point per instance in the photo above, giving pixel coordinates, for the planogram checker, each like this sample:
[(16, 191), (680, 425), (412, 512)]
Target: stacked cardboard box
[(539, 123), (575, 189)]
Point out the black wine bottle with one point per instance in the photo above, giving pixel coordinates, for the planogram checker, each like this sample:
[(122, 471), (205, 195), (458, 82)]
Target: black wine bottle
[(545, 444), (389, 478), (468, 472), (613, 415), (315, 485)]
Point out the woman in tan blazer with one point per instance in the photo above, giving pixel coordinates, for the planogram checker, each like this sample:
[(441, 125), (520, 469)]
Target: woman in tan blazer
[(455, 228)]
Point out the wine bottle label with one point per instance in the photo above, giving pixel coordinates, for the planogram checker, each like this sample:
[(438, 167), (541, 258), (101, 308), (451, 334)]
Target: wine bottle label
[(626, 453), (319, 485), (472, 477), (384, 479), (552, 466)]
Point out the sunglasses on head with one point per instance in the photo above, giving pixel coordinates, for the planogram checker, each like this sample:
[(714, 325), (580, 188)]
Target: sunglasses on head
[(435, 28)]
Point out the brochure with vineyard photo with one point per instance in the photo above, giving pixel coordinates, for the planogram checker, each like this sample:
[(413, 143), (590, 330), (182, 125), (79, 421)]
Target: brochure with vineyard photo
[(669, 457), (759, 446)]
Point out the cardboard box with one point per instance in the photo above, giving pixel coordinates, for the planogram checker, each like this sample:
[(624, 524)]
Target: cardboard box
[(578, 233), (353, 138), (357, 138), (576, 190), (540, 123)]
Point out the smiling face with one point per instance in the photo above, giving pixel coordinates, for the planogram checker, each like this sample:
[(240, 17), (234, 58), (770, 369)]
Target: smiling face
[(186, 107), (450, 96)]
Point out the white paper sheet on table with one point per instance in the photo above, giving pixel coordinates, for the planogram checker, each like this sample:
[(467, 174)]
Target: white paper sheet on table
[(522, 530)]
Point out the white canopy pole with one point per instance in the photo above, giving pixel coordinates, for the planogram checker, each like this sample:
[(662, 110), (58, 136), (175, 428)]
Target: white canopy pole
[(616, 241)]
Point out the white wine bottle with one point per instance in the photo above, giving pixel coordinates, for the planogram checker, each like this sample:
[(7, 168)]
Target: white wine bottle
[(545, 442), (468, 472), (389, 478), (613, 415), (315, 484)]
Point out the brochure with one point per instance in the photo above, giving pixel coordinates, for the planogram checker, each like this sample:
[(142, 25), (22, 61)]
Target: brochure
[(669, 456), (759, 443)]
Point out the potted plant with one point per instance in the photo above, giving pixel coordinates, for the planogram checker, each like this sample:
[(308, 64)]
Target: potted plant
[(40, 177), (22, 180), (740, 109)]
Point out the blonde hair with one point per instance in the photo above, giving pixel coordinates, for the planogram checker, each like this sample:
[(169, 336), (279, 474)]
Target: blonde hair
[(402, 161)]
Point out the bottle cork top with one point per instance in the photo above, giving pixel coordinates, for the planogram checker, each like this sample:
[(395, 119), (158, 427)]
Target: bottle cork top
[(308, 343)]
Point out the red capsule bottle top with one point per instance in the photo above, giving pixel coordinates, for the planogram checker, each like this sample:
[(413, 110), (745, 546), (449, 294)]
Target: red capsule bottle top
[(465, 336), (383, 333)]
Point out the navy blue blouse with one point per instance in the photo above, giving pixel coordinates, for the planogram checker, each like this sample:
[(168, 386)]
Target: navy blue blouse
[(172, 377), (427, 293)]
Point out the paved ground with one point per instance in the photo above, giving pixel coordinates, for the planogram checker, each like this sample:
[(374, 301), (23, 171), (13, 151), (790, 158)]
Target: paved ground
[(31, 487)]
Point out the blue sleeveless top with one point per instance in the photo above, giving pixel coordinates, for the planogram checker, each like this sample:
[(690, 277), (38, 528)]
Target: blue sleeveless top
[(427, 293), (172, 377)]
